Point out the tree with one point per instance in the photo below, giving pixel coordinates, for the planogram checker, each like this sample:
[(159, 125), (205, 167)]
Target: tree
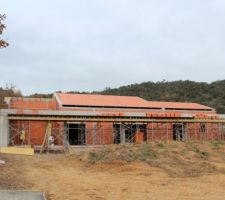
[(3, 43), (8, 91)]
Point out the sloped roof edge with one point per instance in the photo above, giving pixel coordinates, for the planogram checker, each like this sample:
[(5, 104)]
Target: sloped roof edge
[(68, 99)]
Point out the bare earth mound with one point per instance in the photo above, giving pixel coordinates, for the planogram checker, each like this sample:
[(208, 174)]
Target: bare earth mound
[(153, 171)]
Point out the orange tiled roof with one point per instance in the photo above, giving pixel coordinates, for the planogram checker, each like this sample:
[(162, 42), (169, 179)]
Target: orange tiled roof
[(101, 100), (178, 105), (67, 99)]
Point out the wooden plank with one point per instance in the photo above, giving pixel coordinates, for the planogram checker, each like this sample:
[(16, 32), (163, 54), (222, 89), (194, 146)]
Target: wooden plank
[(17, 150)]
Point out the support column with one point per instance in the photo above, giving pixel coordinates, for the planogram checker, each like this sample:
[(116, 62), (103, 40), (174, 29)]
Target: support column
[(122, 134), (4, 129), (94, 132), (66, 134), (29, 132)]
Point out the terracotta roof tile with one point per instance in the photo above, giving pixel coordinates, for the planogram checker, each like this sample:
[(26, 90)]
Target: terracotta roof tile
[(101, 100), (177, 105), (121, 101)]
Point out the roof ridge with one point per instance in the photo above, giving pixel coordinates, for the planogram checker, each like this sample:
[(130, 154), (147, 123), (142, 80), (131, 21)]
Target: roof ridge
[(98, 95), (175, 102)]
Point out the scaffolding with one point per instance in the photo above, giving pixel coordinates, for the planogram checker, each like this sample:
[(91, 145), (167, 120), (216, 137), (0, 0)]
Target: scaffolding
[(84, 131)]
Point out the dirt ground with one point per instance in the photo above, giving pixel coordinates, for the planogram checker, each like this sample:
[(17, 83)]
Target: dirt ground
[(69, 177)]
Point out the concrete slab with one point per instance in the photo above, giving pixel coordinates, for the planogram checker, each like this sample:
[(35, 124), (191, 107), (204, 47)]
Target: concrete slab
[(21, 195)]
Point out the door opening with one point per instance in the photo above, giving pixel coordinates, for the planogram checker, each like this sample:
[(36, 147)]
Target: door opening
[(76, 134), (179, 132), (125, 133), (116, 132)]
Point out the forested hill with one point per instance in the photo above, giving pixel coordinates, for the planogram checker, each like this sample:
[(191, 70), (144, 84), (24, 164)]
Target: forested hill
[(211, 94)]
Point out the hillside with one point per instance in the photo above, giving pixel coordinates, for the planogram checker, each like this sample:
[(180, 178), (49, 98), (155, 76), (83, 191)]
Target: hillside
[(211, 94)]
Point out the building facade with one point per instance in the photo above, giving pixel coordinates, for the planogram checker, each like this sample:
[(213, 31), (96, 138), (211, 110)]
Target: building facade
[(87, 119)]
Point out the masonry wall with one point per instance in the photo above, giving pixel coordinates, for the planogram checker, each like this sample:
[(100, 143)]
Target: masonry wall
[(194, 131), (211, 131), (33, 103), (102, 133), (159, 131), (34, 132), (99, 133)]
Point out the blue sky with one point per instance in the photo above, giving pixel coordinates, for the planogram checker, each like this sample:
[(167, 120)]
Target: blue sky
[(85, 45)]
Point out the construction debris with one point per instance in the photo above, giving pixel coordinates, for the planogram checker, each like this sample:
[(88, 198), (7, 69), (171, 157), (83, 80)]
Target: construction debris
[(2, 162), (21, 195)]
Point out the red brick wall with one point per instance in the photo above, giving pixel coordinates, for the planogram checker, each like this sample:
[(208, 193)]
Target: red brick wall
[(159, 131), (211, 132), (33, 104), (163, 131), (139, 137), (37, 132), (89, 133), (107, 133), (99, 133), (104, 132)]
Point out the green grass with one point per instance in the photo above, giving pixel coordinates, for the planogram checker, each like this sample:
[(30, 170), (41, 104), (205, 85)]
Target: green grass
[(97, 156), (146, 153), (160, 145), (204, 153), (127, 153)]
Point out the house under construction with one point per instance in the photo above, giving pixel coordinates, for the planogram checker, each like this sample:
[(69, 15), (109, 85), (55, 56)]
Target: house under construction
[(86, 119)]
